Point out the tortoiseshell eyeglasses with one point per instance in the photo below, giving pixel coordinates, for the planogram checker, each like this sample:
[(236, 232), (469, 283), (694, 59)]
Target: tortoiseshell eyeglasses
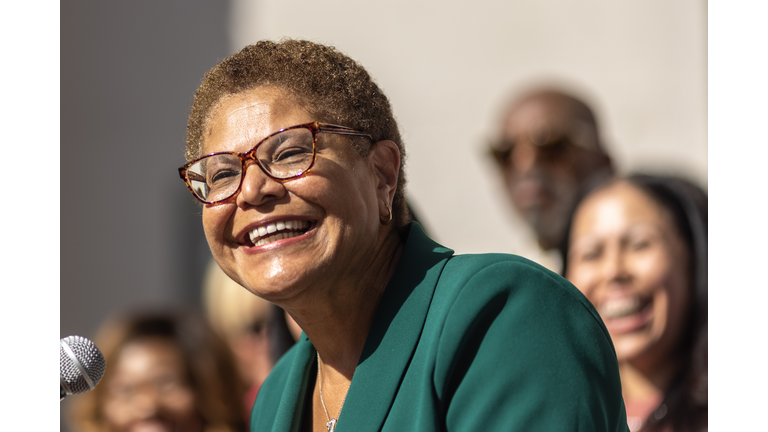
[(283, 155)]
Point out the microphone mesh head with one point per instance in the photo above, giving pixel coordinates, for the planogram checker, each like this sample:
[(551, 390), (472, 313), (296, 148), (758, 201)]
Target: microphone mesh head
[(88, 361)]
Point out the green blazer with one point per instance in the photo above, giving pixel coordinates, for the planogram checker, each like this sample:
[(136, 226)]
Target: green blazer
[(490, 342)]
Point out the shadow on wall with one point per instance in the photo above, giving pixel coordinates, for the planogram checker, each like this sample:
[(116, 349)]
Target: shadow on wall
[(130, 233)]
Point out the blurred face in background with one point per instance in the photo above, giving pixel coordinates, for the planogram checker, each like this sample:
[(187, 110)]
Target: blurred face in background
[(629, 260), (546, 152), (149, 390)]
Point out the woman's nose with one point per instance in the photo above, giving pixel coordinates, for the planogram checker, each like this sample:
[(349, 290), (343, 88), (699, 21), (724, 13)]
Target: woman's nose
[(146, 404), (258, 188), (615, 268)]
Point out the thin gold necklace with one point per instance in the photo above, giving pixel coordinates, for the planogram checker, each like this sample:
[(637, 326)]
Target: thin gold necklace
[(331, 422)]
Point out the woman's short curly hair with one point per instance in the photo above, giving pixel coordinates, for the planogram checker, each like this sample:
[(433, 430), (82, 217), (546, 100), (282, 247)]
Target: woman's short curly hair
[(326, 83)]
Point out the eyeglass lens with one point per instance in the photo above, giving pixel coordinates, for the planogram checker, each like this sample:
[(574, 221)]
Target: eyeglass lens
[(282, 156)]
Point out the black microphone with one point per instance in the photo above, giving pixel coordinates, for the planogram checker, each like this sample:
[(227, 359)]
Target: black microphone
[(82, 366)]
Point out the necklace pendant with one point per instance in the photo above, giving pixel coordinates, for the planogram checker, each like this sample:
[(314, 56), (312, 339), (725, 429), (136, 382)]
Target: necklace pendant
[(331, 425)]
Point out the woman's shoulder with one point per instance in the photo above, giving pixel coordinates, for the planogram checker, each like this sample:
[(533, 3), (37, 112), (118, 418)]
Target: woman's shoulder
[(472, 283), (478, 262), (497, 271), (503, 329)]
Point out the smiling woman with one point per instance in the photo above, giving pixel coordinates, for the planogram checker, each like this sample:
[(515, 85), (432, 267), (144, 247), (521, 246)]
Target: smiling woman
[(295, 155), (166, 372), (638, 251)]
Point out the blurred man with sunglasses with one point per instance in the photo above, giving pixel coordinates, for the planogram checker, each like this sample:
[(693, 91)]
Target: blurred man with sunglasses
[(549, 150)]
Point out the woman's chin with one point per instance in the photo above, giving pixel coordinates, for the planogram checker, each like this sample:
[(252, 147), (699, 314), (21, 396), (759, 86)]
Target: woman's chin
[(640, 346), (277, 286)]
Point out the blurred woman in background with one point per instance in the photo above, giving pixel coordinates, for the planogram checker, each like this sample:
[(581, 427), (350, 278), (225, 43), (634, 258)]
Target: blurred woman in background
[(638, 251), (257, 331), (165, 372)]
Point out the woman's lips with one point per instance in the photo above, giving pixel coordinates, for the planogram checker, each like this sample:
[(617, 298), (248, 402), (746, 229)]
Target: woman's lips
[(280, 230), (626, 314), (278, 234)]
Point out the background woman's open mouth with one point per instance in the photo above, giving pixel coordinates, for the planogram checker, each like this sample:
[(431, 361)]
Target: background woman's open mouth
[(626, 314)]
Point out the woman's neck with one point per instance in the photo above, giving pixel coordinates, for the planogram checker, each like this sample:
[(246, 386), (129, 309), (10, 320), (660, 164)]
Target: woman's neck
[(645, 382), (337, 320)]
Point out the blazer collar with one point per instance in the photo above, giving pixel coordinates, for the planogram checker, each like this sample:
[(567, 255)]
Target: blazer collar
[(290, 408), (388, 349), (394, 333)]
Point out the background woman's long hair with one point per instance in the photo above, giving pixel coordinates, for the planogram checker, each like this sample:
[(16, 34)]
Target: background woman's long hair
[(685, 401)]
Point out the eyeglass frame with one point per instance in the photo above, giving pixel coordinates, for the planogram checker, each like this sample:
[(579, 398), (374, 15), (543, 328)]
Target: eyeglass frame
[(501, 153), (565, 138), (314, 127)]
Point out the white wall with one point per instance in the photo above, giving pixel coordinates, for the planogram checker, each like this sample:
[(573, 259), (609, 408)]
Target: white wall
[(448, 66)]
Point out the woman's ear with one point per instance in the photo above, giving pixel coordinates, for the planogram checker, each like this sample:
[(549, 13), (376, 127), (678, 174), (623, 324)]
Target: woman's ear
[(386, 161)]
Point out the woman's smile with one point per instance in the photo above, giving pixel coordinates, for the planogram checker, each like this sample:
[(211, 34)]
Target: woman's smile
[(626, 313), (280, 230)]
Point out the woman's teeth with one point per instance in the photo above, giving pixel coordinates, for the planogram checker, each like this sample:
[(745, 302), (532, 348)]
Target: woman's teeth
[(278, 231), (620, 307)]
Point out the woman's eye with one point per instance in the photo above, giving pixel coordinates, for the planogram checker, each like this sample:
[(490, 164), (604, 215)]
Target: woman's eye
[(168, 384), (590, 256), (122, 391), (639, 243), (586, 255), (222, 175), (291, 154)]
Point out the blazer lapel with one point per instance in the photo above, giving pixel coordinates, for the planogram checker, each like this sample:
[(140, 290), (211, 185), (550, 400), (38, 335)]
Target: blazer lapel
[(394, 334), (290, 410)]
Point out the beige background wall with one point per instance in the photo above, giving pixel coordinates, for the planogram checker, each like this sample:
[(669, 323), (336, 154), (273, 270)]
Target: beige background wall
[(448, 66)]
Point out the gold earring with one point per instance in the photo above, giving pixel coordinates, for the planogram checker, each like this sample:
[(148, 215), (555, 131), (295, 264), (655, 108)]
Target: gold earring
[(388, 221)]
